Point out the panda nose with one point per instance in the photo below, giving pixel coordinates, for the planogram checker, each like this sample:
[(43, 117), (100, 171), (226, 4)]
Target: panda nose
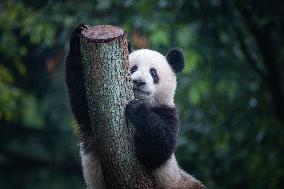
[(139, 83)]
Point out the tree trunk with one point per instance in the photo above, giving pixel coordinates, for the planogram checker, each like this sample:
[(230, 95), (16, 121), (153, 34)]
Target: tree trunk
[(108, 89)]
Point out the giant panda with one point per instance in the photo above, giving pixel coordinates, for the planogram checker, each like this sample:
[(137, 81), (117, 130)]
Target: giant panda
[(152, 113)]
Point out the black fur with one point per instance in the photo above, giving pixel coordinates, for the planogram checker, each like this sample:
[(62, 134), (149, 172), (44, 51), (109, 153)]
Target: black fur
[(76, 89), (175, 58), (156, 132), (154, 75), (133, 69), (129, 47)]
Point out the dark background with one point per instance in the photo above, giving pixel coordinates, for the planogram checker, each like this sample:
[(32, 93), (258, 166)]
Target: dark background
[(230, 96)]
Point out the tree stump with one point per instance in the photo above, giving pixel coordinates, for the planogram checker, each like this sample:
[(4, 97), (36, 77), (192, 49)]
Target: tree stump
[(108, 85)]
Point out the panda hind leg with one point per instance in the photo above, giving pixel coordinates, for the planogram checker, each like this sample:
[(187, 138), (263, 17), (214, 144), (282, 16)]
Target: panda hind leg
[(92, 170), (171, 176)]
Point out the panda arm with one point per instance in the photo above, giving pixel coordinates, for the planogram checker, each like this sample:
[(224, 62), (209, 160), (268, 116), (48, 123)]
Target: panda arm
[(156, 132), (76, 88)]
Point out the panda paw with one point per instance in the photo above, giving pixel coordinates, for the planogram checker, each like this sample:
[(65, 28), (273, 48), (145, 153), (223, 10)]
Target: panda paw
[(133, 108), (75, 37)]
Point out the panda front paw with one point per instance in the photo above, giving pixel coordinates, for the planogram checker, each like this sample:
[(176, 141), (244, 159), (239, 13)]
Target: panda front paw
[(75, 37), (133, 108)]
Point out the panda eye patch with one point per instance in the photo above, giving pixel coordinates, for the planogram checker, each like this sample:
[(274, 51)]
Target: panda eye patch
[(153, 72), (133, 69), (154, 75)]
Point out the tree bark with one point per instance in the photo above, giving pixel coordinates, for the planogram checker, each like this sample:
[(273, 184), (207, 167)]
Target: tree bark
[(104, 52)]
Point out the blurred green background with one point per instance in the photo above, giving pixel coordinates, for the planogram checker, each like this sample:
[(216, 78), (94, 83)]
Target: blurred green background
[(230, 96)]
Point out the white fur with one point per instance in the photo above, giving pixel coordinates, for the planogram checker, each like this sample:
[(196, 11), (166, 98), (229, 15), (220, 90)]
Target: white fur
[(163, 92), (92, 170), (171, 176)]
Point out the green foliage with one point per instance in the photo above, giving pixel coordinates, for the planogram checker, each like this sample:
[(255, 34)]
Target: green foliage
[(230, 95)]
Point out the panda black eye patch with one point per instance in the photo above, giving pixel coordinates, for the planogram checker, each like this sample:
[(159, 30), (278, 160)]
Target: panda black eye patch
[(133, 69), (154, 75)]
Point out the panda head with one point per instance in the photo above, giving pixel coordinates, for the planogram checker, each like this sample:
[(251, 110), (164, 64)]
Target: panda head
[(154, 75)]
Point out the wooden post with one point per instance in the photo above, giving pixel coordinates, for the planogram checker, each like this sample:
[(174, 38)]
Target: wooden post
[(104, 52)]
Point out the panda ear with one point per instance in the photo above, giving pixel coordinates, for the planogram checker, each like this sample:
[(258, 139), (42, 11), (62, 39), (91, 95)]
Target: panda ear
[(175, 58)]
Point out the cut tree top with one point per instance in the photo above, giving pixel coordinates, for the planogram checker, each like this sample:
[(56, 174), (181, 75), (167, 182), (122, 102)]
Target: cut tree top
[(102, 33)]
